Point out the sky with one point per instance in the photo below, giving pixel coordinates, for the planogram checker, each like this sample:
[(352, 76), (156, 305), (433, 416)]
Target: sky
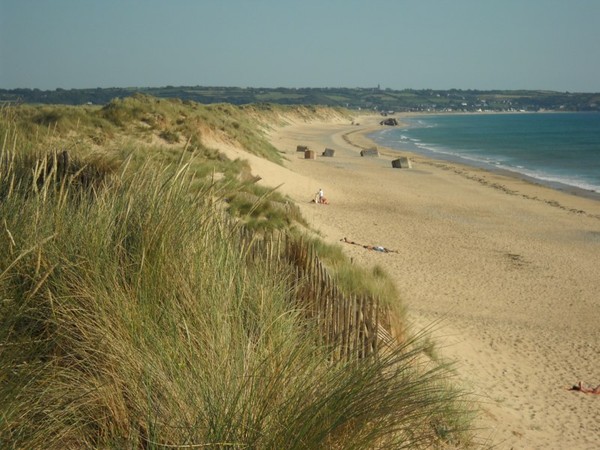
[(396, 44)]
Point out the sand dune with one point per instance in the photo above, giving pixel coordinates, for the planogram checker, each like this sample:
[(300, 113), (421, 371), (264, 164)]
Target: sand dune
[(508, 271)]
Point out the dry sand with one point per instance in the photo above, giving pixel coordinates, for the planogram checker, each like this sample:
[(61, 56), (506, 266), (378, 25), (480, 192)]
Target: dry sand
[(508, 271)]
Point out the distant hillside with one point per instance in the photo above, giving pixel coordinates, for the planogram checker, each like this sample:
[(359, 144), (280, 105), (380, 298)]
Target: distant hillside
[(383, 100)]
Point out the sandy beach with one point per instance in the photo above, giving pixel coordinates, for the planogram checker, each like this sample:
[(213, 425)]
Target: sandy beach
[(507, 272)]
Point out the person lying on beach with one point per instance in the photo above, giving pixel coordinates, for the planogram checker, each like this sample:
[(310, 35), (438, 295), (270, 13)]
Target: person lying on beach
[(586, 390), (377, 248)]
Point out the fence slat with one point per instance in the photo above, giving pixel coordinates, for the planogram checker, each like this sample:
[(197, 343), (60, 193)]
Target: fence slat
[(350, 326), (355, 352)]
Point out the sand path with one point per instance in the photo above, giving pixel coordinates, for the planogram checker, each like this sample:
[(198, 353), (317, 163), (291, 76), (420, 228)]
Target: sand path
[(509, 271)]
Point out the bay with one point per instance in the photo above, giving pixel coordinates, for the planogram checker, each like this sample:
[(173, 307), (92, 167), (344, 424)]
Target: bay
[(555, 148)]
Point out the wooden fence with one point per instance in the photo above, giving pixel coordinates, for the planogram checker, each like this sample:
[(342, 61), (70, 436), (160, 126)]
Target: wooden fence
[(354, 326)]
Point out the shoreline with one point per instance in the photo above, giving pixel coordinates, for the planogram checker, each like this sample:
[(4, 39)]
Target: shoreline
[(507, 270), (361, 140), (456, 159)]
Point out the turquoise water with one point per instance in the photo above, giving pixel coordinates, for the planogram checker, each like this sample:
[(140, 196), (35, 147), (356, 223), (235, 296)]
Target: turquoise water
[(557, 148)]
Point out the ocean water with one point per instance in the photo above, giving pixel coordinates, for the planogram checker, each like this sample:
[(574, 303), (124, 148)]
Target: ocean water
[(557, 149)]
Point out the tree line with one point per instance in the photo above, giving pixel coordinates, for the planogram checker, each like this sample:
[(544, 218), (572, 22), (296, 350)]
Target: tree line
[(375, 98)]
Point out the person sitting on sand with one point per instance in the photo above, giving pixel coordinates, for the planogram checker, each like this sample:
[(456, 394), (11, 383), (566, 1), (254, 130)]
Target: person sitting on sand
[(320, 198), (586, 390)]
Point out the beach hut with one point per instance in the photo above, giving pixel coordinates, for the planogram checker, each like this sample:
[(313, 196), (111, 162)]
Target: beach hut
[(369, 152), (310, 154), (301, 148), (329, 152), (402, 163)]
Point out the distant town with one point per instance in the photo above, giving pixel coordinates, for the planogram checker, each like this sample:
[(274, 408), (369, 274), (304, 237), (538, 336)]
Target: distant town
[(386, 101)]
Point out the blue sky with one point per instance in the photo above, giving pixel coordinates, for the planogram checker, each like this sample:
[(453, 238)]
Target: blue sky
[(398, 44)]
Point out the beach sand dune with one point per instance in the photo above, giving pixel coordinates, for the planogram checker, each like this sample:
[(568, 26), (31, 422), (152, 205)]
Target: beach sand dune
[(508, 273)]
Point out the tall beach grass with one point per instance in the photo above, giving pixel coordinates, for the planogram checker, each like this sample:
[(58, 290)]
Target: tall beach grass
[(130, 317)]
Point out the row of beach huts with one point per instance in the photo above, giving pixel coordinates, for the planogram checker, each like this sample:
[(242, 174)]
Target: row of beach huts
[(398, 163)]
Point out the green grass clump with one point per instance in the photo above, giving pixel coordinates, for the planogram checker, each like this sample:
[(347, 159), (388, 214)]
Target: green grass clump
[(130, 317), (263, 209)]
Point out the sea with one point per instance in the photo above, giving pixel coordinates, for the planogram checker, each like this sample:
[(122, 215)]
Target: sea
[(560, 150)]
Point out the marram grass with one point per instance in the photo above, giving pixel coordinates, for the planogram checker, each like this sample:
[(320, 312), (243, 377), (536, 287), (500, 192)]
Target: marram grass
[(129, 318)]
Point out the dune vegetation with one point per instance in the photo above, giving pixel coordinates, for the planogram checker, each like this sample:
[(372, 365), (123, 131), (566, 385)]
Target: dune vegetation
[(132, 314)]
